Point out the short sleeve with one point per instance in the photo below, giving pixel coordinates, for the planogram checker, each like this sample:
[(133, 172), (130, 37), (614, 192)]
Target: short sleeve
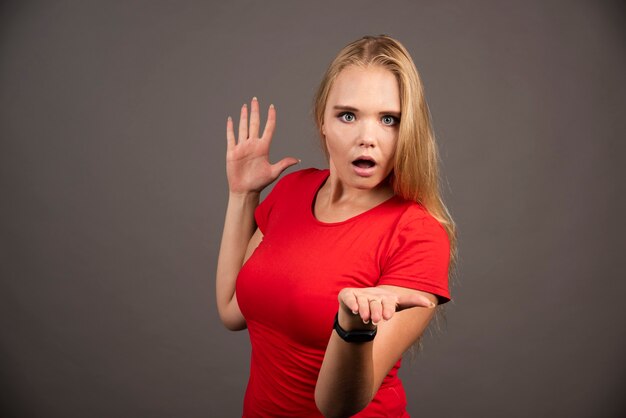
[(418, 258), (263, 211)]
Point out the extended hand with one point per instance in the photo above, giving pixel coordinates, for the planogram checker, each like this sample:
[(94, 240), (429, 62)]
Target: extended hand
[(378, 303), (247, 160)]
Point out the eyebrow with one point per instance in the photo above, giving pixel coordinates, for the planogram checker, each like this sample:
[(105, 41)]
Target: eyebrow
[(354, 109)]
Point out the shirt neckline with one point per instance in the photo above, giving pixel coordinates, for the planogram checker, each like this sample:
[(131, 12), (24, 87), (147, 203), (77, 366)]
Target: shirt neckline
[(313, 198)]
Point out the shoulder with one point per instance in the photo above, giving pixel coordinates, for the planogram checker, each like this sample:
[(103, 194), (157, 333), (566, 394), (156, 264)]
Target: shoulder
[(415, 219), (291, 189), (304, 175), (300, 177), (419, 253)]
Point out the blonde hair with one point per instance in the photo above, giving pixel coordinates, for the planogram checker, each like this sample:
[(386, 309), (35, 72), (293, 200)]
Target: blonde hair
[(415, 173)]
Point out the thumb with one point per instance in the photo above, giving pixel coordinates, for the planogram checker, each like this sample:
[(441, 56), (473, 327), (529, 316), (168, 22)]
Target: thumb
[(413, 300), (283, 164)]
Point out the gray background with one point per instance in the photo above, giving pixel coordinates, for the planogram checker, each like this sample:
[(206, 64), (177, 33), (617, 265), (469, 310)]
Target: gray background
[(113, 192)]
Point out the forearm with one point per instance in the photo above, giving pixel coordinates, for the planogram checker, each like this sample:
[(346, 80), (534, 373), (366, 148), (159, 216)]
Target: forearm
[(352, 373), (346, 381), (239, 227)]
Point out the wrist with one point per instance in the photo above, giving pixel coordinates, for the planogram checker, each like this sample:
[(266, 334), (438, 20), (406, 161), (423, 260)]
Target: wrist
[(354, 335), (243, 194), (244, 198), (353, 322)]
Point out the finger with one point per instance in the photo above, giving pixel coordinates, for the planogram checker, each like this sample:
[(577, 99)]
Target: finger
[(413, 300), (364, 308), (270, 124), (282, 165), (243, 123), (376, 310), (254, 119), (230, 133), (389, 307), (349, 300)]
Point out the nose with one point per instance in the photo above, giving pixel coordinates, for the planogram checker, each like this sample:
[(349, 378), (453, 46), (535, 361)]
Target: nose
[(367, 134)]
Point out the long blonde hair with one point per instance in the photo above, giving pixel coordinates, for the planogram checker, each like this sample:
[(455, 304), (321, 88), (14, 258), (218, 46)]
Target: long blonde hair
[(415, 174)]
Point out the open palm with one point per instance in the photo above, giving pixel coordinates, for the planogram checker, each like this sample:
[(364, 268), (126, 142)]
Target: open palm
[(247, 159)]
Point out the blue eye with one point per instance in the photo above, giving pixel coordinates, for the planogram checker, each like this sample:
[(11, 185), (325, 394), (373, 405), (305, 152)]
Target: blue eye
[(389, 120), (347, 117)]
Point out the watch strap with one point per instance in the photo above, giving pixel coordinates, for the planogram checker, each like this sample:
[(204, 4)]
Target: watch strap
[(354, 336)]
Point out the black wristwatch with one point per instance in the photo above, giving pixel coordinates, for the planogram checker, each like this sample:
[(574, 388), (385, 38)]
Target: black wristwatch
[(356, 336)]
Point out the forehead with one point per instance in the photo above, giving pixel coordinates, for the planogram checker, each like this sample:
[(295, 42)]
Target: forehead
[(371, 87)]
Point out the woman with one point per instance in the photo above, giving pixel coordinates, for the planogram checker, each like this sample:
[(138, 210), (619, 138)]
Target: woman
[(337, 272)]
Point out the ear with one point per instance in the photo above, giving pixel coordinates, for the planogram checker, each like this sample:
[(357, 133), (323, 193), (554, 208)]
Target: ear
[(323, 130)]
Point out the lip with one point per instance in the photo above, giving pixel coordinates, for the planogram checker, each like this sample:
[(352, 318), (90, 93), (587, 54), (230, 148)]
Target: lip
[(364, 171)]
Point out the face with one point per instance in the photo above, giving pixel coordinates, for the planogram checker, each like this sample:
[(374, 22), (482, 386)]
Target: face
[(361, 123)]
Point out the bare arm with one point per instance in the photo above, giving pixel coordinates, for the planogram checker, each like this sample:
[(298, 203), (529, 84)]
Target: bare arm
[(351, 373), (249, 171), (238, 230)]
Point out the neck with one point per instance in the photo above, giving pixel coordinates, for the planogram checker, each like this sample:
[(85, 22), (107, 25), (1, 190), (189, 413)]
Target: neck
[(335, 192)]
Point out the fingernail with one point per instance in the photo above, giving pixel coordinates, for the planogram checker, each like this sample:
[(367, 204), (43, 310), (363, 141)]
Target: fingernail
[(229, 119), (254, 98), (245, 105), (355, 312), (299, 160), (366, 322), (272, 106)]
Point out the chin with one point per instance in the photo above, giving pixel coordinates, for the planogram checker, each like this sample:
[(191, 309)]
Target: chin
[(370, 183)]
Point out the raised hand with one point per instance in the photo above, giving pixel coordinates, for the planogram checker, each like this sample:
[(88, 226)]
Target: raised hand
[(378, 303), (247, 160)]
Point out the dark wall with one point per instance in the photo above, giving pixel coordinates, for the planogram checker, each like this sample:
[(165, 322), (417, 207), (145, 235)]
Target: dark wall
[(113, 191)]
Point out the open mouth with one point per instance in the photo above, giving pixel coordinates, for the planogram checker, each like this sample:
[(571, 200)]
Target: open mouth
[(363, 163)]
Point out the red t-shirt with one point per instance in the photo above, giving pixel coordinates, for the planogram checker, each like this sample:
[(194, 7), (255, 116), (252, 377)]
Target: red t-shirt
[(287, 290)]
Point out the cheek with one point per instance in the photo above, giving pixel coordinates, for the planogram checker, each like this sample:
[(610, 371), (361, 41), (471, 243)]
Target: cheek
[(390, 151), (336, 150), (336, 136), (333, 146), (391, 142)]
